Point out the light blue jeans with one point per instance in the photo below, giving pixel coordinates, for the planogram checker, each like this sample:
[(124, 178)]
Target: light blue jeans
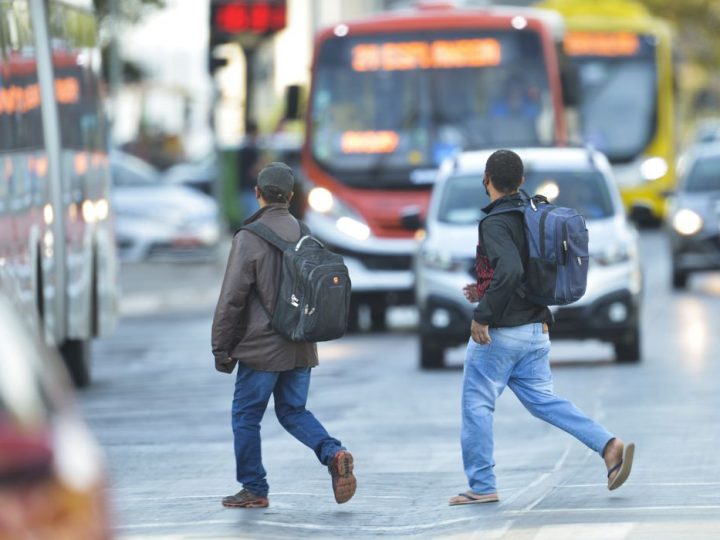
[(516, 357)]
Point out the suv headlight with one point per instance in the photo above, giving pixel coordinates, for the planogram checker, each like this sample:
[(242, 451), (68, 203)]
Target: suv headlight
[(687, 222), (441, 260), (613, 254), (322, 201), (653, 168)]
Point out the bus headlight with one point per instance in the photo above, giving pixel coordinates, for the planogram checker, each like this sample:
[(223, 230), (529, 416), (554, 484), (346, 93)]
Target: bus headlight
[(322, 201), (353, 227), (687, 222), (653, 168)]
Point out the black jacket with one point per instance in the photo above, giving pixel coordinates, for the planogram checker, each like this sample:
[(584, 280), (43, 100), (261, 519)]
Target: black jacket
[(501, 261)]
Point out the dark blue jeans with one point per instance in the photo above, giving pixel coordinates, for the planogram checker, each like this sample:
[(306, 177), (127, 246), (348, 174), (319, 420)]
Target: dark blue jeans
[(252, 393)]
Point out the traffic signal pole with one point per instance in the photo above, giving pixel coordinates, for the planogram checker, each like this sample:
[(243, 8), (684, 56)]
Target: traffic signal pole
[(250, 54)]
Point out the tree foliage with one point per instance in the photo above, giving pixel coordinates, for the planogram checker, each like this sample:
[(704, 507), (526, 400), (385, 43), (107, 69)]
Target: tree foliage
[(697, 23), (127, 10)]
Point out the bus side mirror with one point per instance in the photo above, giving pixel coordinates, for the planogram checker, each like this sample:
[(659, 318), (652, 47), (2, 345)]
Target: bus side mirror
[(570, 81), (411, 219)]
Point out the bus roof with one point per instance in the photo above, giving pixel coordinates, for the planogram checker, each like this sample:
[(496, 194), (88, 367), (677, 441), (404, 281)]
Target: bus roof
[(608, 15), (434, 17)]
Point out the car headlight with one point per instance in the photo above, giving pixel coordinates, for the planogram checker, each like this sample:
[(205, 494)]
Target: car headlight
[(653, 168), (687, 222), (441, 260), (613, 254), (322, 201)]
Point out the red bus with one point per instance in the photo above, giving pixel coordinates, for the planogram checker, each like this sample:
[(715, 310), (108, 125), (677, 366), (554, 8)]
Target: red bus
[(392, 96)]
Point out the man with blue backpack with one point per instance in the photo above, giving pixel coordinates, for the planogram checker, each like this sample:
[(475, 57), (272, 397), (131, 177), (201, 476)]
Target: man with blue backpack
[(530, 255)]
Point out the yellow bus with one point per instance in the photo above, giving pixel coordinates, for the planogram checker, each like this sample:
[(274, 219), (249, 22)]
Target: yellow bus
[(624, 62)]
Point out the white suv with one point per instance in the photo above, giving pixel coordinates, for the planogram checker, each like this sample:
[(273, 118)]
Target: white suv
[(573, 177)]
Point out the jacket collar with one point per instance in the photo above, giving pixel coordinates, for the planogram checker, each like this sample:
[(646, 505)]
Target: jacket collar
[(514, 199), (275, 209)]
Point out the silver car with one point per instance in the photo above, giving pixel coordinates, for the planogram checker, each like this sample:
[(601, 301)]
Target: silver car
[(160, 221), (445, 261), (693, 219)]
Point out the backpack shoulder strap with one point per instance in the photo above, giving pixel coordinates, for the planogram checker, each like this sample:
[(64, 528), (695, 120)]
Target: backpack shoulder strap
[(304, 229), (267, 234)]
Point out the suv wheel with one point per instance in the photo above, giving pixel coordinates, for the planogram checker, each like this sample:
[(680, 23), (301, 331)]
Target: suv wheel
[(76, 353), (679, 279), (628, 351), (432, 353)]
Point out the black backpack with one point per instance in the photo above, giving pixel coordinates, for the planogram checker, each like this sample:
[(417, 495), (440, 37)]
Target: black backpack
[(313, 299)]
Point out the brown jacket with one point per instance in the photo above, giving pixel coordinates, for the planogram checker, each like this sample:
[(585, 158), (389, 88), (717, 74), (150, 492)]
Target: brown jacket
[(241, 330)]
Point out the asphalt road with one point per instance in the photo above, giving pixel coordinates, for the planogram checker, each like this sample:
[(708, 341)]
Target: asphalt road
[(162, 414)]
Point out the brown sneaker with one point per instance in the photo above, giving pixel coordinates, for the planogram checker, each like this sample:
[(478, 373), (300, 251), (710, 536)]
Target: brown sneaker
[(343, 480), (245, 499)]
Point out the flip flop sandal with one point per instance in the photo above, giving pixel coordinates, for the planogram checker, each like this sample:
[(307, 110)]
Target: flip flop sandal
[(473, 498), (623, 468)]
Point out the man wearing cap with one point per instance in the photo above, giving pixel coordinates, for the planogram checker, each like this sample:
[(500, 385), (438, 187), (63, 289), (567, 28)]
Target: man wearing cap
[(267, 363)]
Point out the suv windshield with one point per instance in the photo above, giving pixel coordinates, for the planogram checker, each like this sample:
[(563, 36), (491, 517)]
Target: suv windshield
[(704, 175), (464, 196), (384, 105), (618, 109)]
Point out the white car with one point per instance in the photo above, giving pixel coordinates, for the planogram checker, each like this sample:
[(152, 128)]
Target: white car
[(445, 261), (157, 220)]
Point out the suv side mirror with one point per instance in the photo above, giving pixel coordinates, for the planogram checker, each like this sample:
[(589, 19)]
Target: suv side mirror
[(411, 218)]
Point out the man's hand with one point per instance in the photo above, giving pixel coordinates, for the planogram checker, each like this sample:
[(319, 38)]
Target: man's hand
[(470, 292), (480, 333)]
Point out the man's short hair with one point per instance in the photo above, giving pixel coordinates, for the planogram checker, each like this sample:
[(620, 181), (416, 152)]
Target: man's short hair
[(505, 170)]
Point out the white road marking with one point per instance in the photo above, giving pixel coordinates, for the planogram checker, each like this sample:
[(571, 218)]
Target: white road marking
[(487, 533), (539, 480), (587, 531), (649, 484), (668, 508), (272, 496)]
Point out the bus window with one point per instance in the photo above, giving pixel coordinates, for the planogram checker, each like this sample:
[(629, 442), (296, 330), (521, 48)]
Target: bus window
[(20, 111)]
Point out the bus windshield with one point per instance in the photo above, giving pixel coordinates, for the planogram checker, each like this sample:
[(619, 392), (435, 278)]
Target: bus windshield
[(386, 105), (619, 100)]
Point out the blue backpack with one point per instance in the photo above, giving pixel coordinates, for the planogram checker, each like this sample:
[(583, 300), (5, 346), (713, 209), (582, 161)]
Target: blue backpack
[(557, 240)]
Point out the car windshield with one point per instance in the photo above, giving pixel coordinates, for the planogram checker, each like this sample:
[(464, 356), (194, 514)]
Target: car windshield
[(384, 105), (704, 175), (464, 196), (618, 108)]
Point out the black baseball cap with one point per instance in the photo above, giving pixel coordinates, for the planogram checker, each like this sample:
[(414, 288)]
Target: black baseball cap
[(276, 174)]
